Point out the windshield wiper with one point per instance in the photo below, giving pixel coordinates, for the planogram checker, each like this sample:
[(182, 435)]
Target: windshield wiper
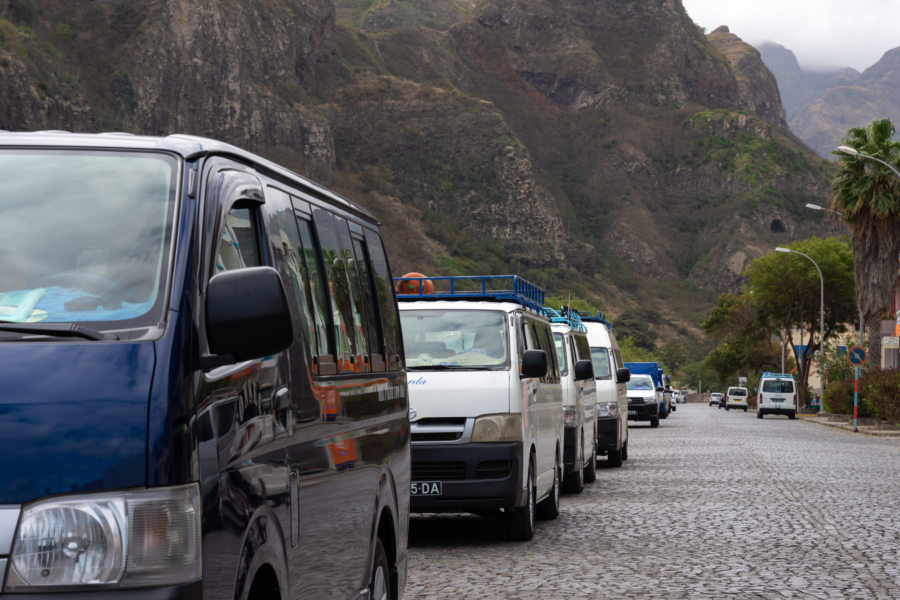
[(57, 330)]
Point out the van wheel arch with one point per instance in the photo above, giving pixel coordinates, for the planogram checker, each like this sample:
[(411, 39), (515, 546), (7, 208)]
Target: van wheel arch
[(387, 535)]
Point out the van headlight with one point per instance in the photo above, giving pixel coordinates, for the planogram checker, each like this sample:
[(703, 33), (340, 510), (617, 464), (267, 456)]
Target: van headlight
[(114, 539), (607, 409), (498, 428), (651, 400)]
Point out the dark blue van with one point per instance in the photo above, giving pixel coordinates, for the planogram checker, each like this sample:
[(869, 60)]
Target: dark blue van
[(202, 386)]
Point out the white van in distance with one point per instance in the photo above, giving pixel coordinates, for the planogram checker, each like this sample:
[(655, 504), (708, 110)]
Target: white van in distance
[(485, 399), (777, 395), (579, 399), (611, 377), (736, 397)]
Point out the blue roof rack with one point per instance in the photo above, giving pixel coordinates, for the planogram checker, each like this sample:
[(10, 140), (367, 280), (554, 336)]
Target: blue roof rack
[(508, 288), (566, 315), (777, 375), (599, 317)]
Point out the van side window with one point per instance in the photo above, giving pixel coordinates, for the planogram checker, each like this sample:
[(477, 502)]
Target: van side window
[(618, 356), (387, 302), (311, 261), (374, 333), (559, 344), (582, 348), (361, 351), (287, 239), (545, 339), (343, 325), (238, 241)]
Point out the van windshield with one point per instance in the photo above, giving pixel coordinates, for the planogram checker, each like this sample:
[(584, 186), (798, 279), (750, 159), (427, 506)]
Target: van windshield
[(641, 382), (85, 236), (455, 338), (778, 386), (600, 358)]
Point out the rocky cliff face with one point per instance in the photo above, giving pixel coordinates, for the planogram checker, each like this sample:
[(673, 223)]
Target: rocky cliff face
[(825, 105), (602, 146)]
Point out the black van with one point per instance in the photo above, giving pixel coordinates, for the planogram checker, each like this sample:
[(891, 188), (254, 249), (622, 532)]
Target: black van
[(204, 392)]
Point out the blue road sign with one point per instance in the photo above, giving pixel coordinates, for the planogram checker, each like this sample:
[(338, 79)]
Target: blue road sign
[(857, 355)]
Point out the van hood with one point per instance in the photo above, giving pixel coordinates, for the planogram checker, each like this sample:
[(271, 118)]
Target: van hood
[(642, 394), (458, 393), (73, 416)]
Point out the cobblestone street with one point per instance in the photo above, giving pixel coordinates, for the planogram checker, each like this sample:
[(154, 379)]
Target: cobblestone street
[(712, 504)]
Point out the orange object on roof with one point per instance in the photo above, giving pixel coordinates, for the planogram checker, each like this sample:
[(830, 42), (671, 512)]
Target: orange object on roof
[(412, 286)]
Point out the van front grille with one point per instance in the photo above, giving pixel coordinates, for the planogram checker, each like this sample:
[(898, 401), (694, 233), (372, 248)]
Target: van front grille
[(426, 471), (438, 430)]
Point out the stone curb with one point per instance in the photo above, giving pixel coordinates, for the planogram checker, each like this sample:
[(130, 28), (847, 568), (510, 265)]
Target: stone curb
[(863, 429)]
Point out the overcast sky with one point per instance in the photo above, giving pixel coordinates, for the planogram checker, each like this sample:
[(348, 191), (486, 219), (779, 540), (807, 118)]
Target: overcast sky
[(821, 33)]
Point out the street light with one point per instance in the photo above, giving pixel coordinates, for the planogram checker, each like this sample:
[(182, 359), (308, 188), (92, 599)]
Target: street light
[(854, 152), (812, 206), (821, 322)]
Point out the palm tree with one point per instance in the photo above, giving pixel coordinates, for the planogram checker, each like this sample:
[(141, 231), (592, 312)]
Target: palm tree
[(868, 194)]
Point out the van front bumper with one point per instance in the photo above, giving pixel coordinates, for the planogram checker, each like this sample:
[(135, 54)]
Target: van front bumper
[(609, 438), (188, 591), (473, 477), (642, 412)]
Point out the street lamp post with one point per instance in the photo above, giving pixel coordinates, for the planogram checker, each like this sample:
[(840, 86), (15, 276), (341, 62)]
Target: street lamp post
[(854, 152), (821, 321)]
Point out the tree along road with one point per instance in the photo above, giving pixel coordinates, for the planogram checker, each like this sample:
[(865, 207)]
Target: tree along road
[(711, 504)]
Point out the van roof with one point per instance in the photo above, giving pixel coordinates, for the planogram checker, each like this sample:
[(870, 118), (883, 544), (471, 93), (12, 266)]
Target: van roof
[(478, 288), (507, 307), (189, 147)]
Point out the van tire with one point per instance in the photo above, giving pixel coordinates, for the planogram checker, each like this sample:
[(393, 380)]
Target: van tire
[(654, 421), (380, 581), (745, 409), (549, 507), (590, 473), (625, 451), (574, 481), (614, 458), (792, 415), (519, 522), (759, 414)]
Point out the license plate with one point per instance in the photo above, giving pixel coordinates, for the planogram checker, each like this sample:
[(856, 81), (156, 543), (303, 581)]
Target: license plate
[(426, 488), (777, 399), (632, 413)]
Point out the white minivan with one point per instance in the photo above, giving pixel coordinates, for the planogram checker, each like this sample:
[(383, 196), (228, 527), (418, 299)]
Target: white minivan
[(736, 397), (777, 395), (611, 377), (485, 397), (579, 399)]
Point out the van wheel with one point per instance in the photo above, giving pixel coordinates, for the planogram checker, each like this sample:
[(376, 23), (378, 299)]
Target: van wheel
[(519, 522), (792, 415), (625, 451), (759, 414), (549, 506), (590, 474), (654, 421), (614, 458), (745, 409), (574, 481), (380, 583)]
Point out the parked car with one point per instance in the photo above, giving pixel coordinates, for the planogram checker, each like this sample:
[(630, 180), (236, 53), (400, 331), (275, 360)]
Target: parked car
[(715, 398), (777, 395), (579, 399), (190, 382), (485, 399), (611, 378), (644, 401), (736, 397)]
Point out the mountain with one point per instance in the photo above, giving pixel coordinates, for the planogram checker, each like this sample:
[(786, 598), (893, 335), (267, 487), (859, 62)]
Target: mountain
[(602, 148), (822, 106)]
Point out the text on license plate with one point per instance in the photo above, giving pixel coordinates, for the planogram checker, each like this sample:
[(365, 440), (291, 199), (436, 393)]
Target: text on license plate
[(426, 488), (777, 399), (632, 413)]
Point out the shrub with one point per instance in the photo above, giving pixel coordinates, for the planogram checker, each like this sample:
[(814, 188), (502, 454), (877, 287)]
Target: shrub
[(882, 392), (838, 397)]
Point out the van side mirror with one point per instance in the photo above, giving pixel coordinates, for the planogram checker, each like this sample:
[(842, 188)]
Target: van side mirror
[(584, 369), (534, 363), (623, 375), (247, 316)]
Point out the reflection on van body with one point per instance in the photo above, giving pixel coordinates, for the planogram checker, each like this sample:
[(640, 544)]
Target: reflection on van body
[(194, 336)]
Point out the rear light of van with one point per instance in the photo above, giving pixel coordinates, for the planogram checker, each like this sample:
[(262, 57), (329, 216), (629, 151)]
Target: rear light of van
[(760, 397)]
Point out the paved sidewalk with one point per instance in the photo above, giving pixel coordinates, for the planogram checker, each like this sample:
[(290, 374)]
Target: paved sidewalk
[(865, 426)]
